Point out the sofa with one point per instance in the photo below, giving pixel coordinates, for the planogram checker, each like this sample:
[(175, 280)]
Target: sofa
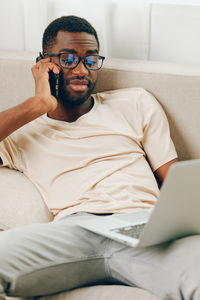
[(177, 88)]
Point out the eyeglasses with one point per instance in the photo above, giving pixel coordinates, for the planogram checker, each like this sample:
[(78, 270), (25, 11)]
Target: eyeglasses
[(71, 61)]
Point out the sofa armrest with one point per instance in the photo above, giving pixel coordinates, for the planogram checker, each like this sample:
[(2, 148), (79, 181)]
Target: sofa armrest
[(20, 201)]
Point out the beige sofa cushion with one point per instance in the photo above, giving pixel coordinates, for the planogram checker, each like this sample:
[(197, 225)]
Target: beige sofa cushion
[(100, 292), (115, 292), (20, 201)]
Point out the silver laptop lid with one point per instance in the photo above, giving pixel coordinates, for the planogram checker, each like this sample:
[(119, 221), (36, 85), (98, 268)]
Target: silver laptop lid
[(177, 212)]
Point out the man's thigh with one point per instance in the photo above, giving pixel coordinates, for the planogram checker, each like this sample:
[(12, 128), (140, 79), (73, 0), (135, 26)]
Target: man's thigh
[(170, 270), (46, 258)]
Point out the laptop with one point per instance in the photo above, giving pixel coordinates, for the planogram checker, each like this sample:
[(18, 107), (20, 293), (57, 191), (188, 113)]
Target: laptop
[(176, 213)]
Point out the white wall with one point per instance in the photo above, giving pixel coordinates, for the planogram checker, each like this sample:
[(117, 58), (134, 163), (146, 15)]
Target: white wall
[(174, 33), (166, 30)]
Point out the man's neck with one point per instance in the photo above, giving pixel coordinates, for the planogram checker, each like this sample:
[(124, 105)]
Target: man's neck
[(70, 113)]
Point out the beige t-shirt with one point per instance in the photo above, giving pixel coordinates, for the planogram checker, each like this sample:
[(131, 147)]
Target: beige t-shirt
[(96, 164)]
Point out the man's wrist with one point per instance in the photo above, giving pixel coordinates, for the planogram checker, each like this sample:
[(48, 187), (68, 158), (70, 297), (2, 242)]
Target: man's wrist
[(43, 104)]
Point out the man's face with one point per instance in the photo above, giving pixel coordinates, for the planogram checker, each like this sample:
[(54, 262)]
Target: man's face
[(76, 85)]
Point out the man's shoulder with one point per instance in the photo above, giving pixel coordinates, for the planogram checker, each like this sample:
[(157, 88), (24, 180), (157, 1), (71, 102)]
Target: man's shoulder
[(132, 103), (126, 94), (28, 130)]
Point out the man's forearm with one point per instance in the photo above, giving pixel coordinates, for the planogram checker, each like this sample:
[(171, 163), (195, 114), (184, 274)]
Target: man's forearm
[(15, 117), (34, 107)]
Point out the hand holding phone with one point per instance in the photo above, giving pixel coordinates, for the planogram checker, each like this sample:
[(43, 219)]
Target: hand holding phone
[(54, 84), (53, 80)]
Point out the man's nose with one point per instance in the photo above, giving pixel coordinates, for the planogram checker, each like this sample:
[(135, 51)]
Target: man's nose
[(80, 69)]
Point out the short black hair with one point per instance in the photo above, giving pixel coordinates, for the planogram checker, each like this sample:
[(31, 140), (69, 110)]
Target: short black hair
[(66, 23)]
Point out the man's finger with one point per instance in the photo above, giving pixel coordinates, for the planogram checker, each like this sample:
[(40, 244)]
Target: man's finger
[(40, 68), (49, 66)]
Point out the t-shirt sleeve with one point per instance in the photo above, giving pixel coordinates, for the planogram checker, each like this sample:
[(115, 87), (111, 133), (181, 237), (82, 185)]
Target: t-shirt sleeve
[(157, 142), (9, 153)]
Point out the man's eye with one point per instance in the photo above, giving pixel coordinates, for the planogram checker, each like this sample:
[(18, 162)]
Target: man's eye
[(91, 61), (67, 59)]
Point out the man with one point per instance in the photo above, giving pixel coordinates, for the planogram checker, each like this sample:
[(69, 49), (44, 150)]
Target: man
[(87, 154)]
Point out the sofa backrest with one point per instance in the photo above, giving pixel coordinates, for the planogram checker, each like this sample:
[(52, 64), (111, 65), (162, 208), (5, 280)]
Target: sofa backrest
[(176, 87)]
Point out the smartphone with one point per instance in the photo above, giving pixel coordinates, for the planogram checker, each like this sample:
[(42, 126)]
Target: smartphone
[(53, 80)]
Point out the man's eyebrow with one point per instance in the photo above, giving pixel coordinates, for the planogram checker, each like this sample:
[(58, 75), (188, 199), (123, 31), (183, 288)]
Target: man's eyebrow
[(74, 51), (92, 52), (67, 50)]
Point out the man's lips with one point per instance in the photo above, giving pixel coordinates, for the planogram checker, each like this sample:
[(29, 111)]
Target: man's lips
[(78, 85)]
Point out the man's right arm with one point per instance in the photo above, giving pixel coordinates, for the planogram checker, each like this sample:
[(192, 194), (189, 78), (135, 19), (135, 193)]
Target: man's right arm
[(16, 117), (32, 108)]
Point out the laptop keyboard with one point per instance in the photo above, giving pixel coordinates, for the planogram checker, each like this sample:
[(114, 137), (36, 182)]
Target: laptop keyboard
[(132, 231)]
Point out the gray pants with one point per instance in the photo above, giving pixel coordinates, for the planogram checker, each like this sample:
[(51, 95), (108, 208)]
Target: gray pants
[(42, 259)]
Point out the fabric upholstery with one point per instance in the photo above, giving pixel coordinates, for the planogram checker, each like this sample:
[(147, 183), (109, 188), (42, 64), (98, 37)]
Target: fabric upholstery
[(100, 292), (115, 292), (20, 202)]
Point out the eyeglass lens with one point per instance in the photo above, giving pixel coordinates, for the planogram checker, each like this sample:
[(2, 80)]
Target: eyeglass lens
[(70, 61)]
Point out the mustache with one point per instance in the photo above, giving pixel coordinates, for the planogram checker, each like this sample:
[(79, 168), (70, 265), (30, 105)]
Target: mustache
[(83, 79)]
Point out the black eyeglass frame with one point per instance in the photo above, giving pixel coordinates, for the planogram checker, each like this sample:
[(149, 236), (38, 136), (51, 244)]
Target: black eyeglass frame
[(78, 61)]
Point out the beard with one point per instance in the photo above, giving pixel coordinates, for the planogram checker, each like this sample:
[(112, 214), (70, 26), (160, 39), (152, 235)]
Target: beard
[(69, 98)]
